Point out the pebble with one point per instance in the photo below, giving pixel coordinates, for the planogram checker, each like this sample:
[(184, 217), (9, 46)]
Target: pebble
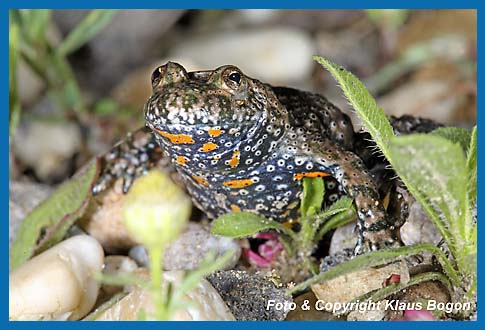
[(57, 284), (344, 237), (276, 55), (23, 197), (247, 295), (349, 287), (104, 220), (47, 147), (116, 265), (202, 303), (190, 249), (418, 228)]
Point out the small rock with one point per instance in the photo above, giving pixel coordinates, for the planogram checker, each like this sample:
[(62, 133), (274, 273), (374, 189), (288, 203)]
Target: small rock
[(368, 314), (103, 220), (116, 265), (344, 237), (418, 228), (47, 148), (23, 198), (202, 303), (57, 284), (276, 55), (190, 249), (247, 295), (351, 286), (430, 290), (312, 314)]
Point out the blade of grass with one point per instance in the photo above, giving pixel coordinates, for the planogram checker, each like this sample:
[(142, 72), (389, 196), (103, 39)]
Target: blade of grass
[(94, 22), (15, 108)]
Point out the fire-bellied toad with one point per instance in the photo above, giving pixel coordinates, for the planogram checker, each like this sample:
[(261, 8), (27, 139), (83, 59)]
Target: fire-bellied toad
[(242, 145)]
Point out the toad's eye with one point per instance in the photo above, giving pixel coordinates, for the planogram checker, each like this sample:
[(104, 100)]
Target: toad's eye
[(235, 76)]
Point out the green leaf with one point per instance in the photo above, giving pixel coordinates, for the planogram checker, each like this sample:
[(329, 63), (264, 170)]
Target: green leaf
[(434, 170), (56, 214), (243, 224), (313, 193), (372, 116), (457, 135), (94, 22), (376, 258), (340, 213), (471, 164)]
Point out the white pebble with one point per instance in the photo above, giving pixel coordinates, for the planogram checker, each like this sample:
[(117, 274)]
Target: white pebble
[(57, 284)]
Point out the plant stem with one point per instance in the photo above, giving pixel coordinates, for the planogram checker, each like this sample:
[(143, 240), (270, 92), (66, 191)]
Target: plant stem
[(158, 290)]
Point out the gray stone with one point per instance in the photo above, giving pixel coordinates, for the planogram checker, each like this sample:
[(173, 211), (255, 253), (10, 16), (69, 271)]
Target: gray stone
[(190, 249), (247, 295)]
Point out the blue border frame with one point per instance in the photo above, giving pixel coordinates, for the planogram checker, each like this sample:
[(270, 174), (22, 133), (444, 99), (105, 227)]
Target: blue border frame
[(302, 4)]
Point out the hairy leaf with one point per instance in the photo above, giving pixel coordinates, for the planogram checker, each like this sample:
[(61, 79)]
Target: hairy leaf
[(372, 116), (55, 215), (471, 163), (434, 170), (457, 135)]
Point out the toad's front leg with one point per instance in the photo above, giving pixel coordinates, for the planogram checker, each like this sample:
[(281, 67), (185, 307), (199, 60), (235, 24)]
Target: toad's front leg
[(376, 229)]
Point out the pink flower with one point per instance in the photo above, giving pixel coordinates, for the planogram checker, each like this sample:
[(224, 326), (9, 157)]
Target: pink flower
[(418, 315), (267, 253)]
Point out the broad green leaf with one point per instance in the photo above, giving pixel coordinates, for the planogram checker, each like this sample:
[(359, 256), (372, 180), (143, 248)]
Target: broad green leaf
[(457, 135), (55, 215), (364, 104), (434, 170), (94, 22), (376, 258), (312, 199), (471, 163), (243, 224)]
